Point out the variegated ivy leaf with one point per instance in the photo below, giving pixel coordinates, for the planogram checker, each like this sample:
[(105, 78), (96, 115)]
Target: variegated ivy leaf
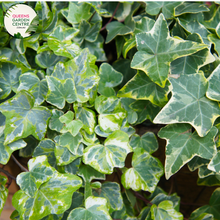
[(51, 197), (203, 216), (213, 23), (88, 174), (112, 154), (140, 87), (60, 42), (7, 150), (212, 208), (109, 78), (95, 208), (214, 164), (39, 172), (191, 64), (112, 193), (216, 41), (165, 210), (189, 104), (183, 145), (46, 147), (38, 88), (147, 141), (3, 192), (145, 172), (213, 91), (23, 119), (88, 118), (156, 50), (9, 79), (153, 8), (54, 123)]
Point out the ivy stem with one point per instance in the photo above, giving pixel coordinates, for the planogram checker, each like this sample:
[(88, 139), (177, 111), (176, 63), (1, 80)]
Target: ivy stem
[(92, 16), (142, 198), (18, 163), (103, 28), (7, 173)]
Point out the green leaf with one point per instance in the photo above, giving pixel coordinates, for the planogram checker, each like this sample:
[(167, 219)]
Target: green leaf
[(112, 193), (54, 122), (189, 104), (88, 118), (73, 167), (165, 210), (9, 79), (109, 78), (105, 157), (140, 87), (214, 164), (39, 173), (213, 22), (216, 41), (213, 91), (38, 88), (203, 216), (156, 50), (190, 7), (4, 192), (116, 28), (95, 208), (145, 172), (183, 145), (7, 150), (153, 8), (212, 208), (147, 141), (52, 197), (23, 119), (191, 64), (46, 147), (77, 12), (60, 91)]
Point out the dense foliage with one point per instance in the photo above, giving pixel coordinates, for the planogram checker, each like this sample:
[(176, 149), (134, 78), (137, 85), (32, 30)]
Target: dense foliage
[(73, 93)]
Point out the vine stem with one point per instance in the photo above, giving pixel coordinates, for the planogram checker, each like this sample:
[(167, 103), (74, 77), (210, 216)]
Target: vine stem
[(18, 163), (142, 198), (103, 28), (7, 173)]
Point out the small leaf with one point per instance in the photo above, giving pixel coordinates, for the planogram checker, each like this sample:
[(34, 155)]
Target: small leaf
[(109, 78), (3, 192), (95, 208), (23, 119), (105, 157), (183, 145), (145, 172), (214, 164), (54, 122), (151, 49), (189, 104), (52, 197)]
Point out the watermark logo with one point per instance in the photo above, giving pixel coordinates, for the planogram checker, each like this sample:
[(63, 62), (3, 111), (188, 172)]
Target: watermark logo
[(20, 20)]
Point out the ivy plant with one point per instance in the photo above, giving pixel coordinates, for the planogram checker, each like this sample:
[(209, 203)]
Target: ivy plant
[(75, 92)]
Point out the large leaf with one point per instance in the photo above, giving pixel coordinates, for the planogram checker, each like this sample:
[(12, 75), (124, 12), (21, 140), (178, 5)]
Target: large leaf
[(38, 88), (145, 172), (95, 208), (183, 145), (156, 50), (189, 104), (9, 79), (213, 91), (23, 119), (112, 193), (212, 208), (140, 87), (165, 210), (3, 192), (109, 78), (105, 157), (51, 197)]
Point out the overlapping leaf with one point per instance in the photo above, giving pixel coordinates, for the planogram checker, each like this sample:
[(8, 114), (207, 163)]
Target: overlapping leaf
[(51, 197), (183, 145), (3, 192), (189, 104), (140, 87), (112, 154), (156, 50), (23, 119), (95, 208), (145, 172)]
